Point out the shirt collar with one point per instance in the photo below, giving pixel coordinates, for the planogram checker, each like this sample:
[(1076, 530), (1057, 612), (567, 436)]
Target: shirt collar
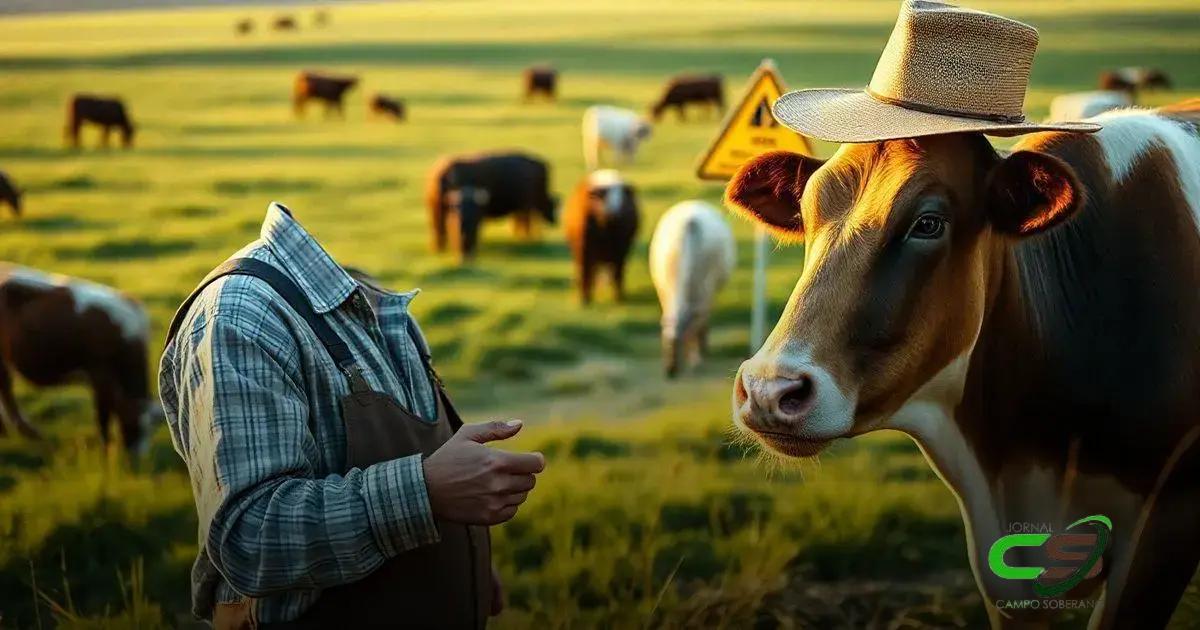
[(324, 281)]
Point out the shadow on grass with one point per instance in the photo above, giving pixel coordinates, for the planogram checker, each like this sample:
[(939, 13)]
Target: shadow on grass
[(55, 223), (127, 249)]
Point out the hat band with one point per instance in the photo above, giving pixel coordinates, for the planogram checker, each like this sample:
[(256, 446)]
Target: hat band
[(931, 109)]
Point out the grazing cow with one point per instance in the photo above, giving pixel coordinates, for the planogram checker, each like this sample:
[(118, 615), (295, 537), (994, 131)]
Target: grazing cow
[(285, 23), (601, 222), (103, 111), (1080, 105), (687, 89), (54, 329), (393, 108), (619, 130), (1133, 79), (540, 80), (487, 186), (692, 254), (10, 194), (1031, 319), (328, 89), (244, 26)]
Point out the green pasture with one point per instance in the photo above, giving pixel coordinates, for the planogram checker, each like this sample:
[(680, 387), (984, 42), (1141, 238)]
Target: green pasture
[(648, 515)]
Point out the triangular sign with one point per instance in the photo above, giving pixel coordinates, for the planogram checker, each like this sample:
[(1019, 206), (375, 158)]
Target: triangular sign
[(750, 129)]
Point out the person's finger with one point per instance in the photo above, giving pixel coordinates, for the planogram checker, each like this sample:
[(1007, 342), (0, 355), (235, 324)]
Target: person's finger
[(484, 432), (520, 463), (508, 484), (515, 499), (506, 513)]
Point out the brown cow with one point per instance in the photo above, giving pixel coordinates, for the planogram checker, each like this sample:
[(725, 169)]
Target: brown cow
[(54, 329), (285, 23), (540, 80), (1133, 79), (105, 111), (381, 105), (326, 88), (244, 26), (10, 194), (686, 89), (601, 222), (1031, 319)]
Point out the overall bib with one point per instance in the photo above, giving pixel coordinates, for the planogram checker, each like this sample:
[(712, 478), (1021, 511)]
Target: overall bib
[(443, 585)]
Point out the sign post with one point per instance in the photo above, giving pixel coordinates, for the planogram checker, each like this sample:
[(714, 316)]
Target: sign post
[(749, 130)]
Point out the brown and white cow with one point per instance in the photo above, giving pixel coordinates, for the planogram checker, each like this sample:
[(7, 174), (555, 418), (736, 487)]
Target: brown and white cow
[(1031, 319), (54, 329)]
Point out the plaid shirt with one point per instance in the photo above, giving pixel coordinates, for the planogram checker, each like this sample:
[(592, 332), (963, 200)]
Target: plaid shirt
[(253, 402)]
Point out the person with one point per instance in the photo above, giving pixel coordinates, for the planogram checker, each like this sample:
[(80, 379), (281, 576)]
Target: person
[(334, 481)]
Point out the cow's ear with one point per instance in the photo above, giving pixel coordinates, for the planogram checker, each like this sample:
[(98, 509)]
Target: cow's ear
[(1030, 192), (768, 188)]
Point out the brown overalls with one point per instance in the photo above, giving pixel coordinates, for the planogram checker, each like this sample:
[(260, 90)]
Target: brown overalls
[(443, 585)]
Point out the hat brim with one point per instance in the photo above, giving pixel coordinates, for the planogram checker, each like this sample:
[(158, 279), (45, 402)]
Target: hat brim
[(848, 116)]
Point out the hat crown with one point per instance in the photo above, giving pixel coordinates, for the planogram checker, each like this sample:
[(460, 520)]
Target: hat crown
[(957, 61)]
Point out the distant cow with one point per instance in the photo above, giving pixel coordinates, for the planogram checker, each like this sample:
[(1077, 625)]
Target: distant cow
[(54, 329), (487, 186), (387, 106), (244, 27), (106, 112), (692, 255), (541, 80), (285, 23), (321, 18), (1080, 105), (619, 130), (9, 194), (688, 89), (601, 221), (326, 88), (1134, 78)]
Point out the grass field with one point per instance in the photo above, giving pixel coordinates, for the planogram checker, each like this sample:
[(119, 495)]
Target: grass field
[(646, 515)]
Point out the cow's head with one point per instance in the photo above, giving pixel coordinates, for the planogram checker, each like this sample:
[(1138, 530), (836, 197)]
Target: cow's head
[(140, 427), (609, 196), (901, 240), (549, 209)]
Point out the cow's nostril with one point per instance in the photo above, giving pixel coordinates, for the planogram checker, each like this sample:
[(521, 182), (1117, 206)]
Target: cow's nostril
[(797, 398), (739, 391)]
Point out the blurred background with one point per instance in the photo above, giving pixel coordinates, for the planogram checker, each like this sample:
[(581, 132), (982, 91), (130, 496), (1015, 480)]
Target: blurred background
[(648, 515)]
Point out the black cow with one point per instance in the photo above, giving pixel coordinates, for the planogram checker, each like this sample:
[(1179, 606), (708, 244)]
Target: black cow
[(687, 89), (540, 80), (106, 111), (328, 89), (487, 186), (387, 106), (9, 194)]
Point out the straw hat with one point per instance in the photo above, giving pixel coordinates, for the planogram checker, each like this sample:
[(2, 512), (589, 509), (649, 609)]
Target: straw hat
[(945, 70)]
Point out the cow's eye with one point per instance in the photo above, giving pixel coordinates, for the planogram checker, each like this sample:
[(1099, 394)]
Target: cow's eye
[(928, 226)]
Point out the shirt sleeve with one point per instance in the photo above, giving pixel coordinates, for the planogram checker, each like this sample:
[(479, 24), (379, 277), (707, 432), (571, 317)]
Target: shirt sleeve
[(271, 525)]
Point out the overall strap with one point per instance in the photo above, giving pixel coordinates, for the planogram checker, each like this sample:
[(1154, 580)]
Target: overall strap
[(439, 387), (282, 285)]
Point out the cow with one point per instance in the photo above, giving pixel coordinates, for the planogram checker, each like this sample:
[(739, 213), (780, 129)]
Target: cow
[(692, 255), (619, 130), (382, 105), (244, 26), (285, 23), (10, 194), (320, 18), (1133, 79), (601, 223), (1030, 319), (540, 80), (55, 329), (1080, 105), (328, 89), (107, 112), (684, 90), (472, 188)]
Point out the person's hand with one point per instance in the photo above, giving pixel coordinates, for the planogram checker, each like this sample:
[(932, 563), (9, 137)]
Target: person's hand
[(497, 594), (472, 484)]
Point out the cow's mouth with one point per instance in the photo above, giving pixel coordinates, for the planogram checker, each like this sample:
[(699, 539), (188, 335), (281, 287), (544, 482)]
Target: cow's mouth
[(790, 445)]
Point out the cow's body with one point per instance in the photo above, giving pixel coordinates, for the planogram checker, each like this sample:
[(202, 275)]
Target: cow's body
[(686, 90), (487, 186), (10, 194), (620, 131), (244, 26), (108, 113), (54, 330), (1031, 320), (601, 221), (285, 23), (328, 89), (1132, 79), (1080, 105), (541, 80), (387, 106), (692, 255)]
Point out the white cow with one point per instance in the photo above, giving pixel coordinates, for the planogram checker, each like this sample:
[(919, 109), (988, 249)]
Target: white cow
[(1081, 105), (619, 130), (692, 254)]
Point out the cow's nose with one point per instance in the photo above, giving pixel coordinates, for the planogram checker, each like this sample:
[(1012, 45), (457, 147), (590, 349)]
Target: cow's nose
[(773, 400)]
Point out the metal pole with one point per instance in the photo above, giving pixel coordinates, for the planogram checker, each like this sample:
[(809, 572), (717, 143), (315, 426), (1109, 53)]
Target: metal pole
[(758, 311)]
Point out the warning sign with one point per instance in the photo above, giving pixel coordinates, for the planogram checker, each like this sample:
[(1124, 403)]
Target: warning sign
[(750, 129)]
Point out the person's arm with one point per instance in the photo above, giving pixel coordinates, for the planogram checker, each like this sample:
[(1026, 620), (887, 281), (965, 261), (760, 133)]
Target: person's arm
[(271, 524)]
